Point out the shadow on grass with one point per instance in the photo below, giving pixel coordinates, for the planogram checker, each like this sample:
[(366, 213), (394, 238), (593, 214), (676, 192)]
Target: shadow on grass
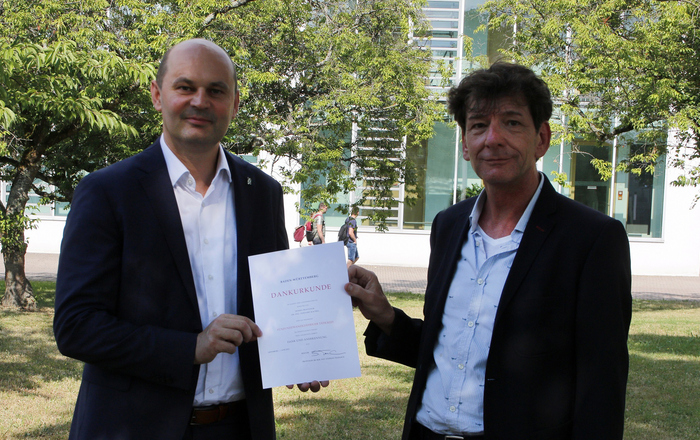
[(645, 305), (27, 338), (662, 397), (659, 344), (57, 431)]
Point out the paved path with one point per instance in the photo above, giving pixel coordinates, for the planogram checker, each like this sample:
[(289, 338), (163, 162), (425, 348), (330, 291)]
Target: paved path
[(413, 279), (42, 267)]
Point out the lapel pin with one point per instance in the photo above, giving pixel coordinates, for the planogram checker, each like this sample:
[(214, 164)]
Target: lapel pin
[(250, 181)]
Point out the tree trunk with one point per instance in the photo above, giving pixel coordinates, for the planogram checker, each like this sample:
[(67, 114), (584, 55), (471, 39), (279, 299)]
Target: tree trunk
[(18, 290)]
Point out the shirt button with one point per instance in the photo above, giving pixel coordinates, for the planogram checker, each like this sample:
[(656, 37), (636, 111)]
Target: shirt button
[(478, 243), (190, 182), (480, 281), (214, 314), (206, 241), (460, 366), (453, 409), (210, 277), (470, 323), (211, 390)]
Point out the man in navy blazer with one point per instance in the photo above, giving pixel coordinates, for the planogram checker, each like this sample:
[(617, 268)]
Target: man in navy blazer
[(528, 302), (153, 289)]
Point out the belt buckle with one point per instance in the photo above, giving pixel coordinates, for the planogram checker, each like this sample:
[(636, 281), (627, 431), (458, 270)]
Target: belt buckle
[(454, 437)]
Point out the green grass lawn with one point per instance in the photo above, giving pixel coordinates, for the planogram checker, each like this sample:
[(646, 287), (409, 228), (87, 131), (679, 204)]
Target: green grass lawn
[(38, 386)]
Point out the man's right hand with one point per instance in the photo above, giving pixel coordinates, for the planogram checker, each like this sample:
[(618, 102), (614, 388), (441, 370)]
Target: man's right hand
[(368, 296), (223, 335)]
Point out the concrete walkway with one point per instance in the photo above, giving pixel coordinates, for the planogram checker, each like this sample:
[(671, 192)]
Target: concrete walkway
[(413, 279), (42, 267)]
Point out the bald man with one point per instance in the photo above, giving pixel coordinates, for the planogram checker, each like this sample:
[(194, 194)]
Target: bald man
[(153, 289)]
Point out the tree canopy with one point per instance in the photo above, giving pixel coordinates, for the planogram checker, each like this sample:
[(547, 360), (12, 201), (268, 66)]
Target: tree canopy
[(74, 94), (615, 67)]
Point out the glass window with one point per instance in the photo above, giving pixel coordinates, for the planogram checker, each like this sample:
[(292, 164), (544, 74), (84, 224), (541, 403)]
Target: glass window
[(588, 188), (445, 53), (61, 209), (437, 34), (443, 43), (34, 205), (442, 24), (437, 43), (434, 160), (638, 199), (442, 14), (252, 159), (443, 5)]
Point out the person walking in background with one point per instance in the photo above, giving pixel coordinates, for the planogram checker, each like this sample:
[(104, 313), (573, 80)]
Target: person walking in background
[(528, 302), (319, 225), (153, 290), (351, 243)]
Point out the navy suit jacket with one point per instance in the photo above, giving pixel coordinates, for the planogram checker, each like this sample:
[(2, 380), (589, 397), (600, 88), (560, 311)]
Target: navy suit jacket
[(558, 361), (126, 303)]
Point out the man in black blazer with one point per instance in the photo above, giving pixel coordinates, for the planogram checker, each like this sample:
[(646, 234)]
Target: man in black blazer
[(528, 302), (153, 290)]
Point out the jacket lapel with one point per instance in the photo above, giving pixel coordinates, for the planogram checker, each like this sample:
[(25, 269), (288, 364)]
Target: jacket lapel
[(158, 188), (536, 232), (244, 195)]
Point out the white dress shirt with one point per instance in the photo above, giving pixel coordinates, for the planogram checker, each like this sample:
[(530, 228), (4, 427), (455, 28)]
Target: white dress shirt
[(453, 400), (209, 224)]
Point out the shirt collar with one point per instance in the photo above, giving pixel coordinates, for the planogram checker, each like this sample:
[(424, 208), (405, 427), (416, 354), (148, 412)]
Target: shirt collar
[(177, 170), (520, 226)]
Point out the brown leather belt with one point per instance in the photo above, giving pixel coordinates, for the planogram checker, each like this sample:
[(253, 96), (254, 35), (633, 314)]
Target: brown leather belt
[(210, 414)]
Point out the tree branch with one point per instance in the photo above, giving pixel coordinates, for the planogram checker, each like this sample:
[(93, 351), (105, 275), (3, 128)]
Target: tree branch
[(234, 4)]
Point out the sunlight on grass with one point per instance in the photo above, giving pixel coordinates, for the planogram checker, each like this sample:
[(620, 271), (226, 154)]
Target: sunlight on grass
[(38, 386), (664, 346)]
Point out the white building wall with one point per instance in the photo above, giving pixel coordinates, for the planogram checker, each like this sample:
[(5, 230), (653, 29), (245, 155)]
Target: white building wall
[(677, 253), (46, 238)]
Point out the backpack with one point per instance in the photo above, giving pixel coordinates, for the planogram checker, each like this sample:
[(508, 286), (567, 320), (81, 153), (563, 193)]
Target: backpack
[(299, 233), (309, 228), (305, 229), (343, 233)]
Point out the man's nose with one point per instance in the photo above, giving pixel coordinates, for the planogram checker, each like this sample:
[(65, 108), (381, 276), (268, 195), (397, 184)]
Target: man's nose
[(494, 134), (199, 99)]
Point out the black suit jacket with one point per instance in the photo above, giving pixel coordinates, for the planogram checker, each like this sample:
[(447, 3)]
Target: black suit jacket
[(558, 362), (126, 303)]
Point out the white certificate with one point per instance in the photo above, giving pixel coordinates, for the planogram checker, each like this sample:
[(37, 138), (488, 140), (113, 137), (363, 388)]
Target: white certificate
[(305, 315)]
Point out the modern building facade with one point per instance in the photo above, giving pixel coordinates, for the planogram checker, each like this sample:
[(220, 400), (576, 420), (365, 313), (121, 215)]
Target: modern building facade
[(660, 221), (658, 216)]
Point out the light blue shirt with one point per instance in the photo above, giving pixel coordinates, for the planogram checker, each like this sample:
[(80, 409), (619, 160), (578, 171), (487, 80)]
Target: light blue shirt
[(453, 400)]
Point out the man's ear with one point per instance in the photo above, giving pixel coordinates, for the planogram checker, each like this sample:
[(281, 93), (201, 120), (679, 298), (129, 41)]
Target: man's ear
[(155, 96), (544, 136), (236, 103), (465, 147)]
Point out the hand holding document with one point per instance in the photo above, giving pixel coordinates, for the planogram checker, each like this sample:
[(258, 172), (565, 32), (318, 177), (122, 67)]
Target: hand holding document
[(304, 314)]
